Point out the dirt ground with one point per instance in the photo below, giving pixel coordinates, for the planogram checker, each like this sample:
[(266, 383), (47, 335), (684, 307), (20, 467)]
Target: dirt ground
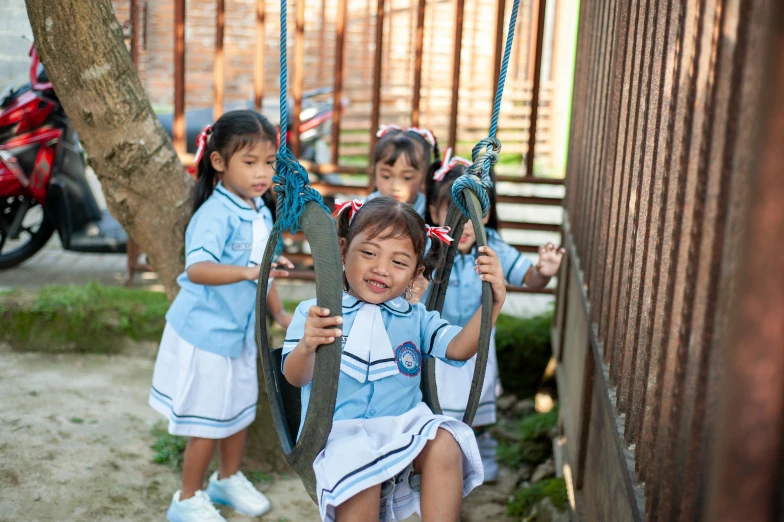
[(75, 445)]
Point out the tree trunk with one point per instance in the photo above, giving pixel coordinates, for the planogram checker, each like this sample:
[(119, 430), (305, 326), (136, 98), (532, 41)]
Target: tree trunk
[(146, 187)]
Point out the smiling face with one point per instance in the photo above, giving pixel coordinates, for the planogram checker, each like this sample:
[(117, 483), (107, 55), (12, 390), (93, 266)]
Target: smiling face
[(249, 171), (380, 268)]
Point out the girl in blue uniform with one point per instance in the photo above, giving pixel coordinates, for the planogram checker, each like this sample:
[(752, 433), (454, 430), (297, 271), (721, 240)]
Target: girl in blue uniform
[(204, 380), (388, 456), (400, 163), (464, 297)]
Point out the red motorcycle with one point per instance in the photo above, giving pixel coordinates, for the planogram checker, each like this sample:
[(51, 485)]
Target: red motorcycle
[(43, 186)]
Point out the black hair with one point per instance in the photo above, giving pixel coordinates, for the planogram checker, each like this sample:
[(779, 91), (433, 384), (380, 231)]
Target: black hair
[(233, 131), (440, 191), (410, 143), (386, 217)]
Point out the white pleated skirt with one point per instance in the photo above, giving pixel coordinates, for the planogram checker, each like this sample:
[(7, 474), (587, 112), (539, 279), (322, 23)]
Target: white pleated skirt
[(454, 385), (361, 453), (203, 394)]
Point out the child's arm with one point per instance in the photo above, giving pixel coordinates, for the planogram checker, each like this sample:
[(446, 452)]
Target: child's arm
[(464, 345), (215, 274), (299, 363), (275, 306), (538, 276)]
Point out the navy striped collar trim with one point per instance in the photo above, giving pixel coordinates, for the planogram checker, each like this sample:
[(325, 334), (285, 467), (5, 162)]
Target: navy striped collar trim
[(398, 306), (237, 204)]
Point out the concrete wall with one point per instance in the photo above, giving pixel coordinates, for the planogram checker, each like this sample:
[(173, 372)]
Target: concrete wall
[(14, 61)]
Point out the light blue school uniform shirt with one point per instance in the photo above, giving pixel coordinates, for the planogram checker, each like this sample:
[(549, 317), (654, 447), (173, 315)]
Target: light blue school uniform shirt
[(219, 319), (419, 204), (464, 294), (413, 332)]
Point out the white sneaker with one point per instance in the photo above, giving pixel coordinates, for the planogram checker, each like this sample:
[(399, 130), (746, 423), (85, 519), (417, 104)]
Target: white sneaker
[(238, 493), (198, 508)]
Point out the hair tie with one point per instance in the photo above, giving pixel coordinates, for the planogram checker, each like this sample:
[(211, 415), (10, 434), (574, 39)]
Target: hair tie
[(355, 205), (440, 233), (448, 164), (201, 143), (426, 134)]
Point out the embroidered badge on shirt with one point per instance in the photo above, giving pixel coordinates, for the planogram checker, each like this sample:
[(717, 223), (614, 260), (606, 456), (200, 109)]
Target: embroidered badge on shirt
[(409, 360)]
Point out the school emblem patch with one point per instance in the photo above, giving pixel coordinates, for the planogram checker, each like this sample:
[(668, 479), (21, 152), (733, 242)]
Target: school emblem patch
[(409, 360)]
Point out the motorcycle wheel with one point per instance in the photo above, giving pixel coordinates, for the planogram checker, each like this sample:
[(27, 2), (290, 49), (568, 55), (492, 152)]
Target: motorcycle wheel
[(35, 231)]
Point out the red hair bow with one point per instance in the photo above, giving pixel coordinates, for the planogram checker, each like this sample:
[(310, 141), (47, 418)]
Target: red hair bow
[(355, 205), (440, 233), (425, 133), (448, 164), (201, 143)]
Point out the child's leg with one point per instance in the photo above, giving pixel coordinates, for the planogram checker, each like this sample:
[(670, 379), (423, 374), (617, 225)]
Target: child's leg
[(441, 467), (362, 507), (231, 450), (197, 457)]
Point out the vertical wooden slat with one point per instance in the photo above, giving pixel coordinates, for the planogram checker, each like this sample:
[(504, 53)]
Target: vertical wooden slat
[(536, 82), (638, 218), (258, 57), (456, 52), (531, 43), (649, 249), (217, 74), (598, 112), (419, 40), (375, 115), (322, 65), (340, 30), (498, 52), (178, 126), (298, 81), (135, 34)]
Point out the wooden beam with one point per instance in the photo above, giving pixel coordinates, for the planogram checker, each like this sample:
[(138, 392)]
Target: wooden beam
[(299, 76), (377, 66), (178, 126), (217, 71), (529, 157), (258, 69), (338, 84), (419, 41), (457, 49)]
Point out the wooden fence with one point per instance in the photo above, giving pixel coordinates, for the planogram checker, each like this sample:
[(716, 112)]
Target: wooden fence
[(669, 328)]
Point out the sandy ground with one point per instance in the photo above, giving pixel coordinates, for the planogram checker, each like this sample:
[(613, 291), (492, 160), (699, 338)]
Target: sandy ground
[(75, 445), (53, 468)]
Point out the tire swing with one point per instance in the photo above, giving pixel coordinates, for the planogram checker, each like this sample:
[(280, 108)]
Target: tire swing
[(470, 201), (300, 207)]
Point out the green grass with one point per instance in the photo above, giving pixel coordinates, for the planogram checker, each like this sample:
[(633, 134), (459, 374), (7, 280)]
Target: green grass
[(527, 498), (90, 318), (523, 348), (532, 444), (169, 449)]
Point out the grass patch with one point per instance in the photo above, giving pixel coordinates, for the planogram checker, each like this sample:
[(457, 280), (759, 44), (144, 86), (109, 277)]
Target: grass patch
[(169, 449), (531, 444), (77, 420), (260, 477), (527, 498), (523, 348), (90, 318)]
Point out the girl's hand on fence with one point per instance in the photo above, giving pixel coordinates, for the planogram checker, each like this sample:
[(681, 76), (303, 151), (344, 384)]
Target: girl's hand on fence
[(319, 329), (550, 258), (489, 269)]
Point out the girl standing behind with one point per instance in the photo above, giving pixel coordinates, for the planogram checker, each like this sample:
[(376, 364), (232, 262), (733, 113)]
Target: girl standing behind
[(464, 297), (400, 163), (204, 380), (388, 455)]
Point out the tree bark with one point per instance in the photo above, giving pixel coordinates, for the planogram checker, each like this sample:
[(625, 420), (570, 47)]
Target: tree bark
[(146, 187)]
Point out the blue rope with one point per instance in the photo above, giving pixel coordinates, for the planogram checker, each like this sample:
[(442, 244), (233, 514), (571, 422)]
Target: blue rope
[(292, 181), (485, 154)]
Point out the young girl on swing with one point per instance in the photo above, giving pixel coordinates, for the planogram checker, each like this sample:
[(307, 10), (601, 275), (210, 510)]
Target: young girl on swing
[(464, 297), (400, 163), (388, 455), (204, 380)]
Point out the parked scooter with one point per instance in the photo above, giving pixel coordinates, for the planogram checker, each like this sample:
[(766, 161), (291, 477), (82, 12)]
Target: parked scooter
[(43, 186)]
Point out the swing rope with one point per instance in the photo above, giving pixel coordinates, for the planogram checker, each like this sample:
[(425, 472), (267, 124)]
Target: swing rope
[(485, 154), (293, 187)]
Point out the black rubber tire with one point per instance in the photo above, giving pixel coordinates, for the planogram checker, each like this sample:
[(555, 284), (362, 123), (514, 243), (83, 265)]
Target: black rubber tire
[(36, 243)]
